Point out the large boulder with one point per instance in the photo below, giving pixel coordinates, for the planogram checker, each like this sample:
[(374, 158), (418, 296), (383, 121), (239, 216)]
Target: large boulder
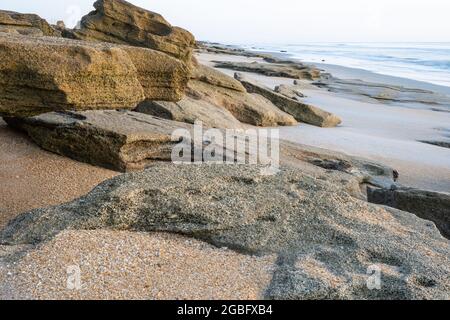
[(82, 75), (329, 244), (120, 22), (190, 110), (25, 24), (429, 205), (248, 108), (117, 140), (300, 111)]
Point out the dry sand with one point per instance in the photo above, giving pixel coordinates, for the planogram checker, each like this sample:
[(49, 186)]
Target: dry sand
[(132, 265), (33, 178), (388, 134)]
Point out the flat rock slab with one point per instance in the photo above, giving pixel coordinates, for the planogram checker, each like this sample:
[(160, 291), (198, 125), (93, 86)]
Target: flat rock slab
[(248, 108), (25, 24), (300, 111), (117, 140), (433, 206), (285, 70), (327, 242), (190, 110)]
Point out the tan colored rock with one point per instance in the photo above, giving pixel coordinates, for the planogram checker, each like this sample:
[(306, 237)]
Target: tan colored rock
[(162, 77), (301, 112), (25, 24), (290, 92), (82, 76), (118, 21), (285, 70), (117, 140), (216, 78), (189, 110), (248, 108)]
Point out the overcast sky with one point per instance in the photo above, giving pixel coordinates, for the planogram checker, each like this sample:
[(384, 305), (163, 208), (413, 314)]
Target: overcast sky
[(280, 21)]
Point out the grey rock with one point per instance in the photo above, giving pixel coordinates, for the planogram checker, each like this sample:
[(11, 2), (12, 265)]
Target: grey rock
[(300, 111), (326, 241), (117, 140), (429, 205), (290, 92), (294, 71)]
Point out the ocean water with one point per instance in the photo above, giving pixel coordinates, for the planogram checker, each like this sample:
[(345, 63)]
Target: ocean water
[(428, 62)]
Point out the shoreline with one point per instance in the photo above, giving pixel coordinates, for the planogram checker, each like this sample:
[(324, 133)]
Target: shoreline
[(390, 134)]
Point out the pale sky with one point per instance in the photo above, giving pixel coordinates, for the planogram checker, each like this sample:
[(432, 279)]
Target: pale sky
[(279, 21)]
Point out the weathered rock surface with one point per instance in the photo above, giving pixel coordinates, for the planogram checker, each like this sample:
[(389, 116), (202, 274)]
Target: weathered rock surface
[(118, 21), (326, 241), (290, 92), (118, 140), (429, 205), (294, 70), (248, 108), (301, 112), (216, 78), (82, 76), (162, 77), (386, 93), (189, 110), (25, 24)]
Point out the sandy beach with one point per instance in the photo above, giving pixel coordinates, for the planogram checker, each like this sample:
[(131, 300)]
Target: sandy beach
[(125, 172), (390, 134)]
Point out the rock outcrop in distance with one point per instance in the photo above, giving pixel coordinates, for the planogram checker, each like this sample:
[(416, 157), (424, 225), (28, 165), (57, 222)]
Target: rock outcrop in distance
[(118, 21), (25, 24), (328, 243), (291, 70), (44, 74), (300, 111)]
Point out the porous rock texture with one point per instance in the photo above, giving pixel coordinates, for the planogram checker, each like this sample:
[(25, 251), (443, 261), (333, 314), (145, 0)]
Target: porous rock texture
[(117, 140), (39, 75), (285, 70), (248, 108), (430, 205), (300, 111), (118, 21), (25, 24), (190, 110), (327, 242)]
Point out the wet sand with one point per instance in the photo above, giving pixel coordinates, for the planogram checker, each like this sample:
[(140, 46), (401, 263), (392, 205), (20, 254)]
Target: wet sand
[(386, 133)]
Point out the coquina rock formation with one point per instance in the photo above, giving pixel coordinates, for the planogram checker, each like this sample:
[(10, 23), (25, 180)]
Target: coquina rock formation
[(300, 111), (117, 140), (326, 240), (120, 22), (25, 24), (44, 74)]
